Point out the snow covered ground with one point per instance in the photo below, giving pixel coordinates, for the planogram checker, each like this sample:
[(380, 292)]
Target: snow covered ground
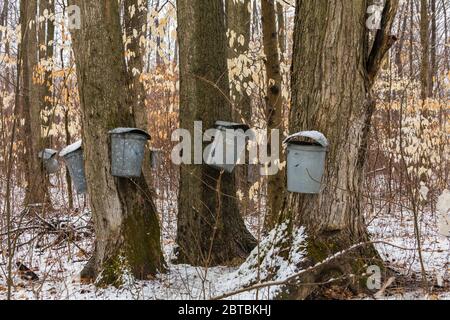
[(58, 262), (399, 230)]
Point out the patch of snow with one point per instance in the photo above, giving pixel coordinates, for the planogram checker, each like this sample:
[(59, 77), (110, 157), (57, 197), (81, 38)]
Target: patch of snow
[(71, 148), (267, 262), (315, 135)]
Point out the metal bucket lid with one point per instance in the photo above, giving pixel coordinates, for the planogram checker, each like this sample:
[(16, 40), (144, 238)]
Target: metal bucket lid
[(130, 130), (306, 147), (71, 148), (231, 125), (47, 154), (315, 135)]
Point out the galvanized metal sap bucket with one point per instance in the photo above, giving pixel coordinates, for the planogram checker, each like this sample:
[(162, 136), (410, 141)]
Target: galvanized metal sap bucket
[(305, 162), (73, 157), (229, 144), (48, 158), (127, 151)]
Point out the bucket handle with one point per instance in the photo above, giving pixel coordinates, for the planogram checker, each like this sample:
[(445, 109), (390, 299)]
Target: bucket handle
[(315, 135)]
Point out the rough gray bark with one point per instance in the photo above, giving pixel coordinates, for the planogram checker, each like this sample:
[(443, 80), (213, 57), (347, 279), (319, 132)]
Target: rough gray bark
[(126, 224), (210, 228)]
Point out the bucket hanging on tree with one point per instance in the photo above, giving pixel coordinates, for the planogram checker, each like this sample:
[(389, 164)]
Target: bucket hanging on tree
[(49, 160), (127, 151), (227, 150), (305, 162), (73, 157)]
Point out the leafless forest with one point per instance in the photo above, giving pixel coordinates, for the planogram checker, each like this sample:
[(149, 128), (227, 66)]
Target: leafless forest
[(102, 196)]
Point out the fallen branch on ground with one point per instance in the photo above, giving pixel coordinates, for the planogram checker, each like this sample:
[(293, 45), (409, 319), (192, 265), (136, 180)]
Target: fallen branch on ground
[(309, 269)]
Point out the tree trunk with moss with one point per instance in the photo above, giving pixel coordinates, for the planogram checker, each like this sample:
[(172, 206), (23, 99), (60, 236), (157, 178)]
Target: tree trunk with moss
[(125, 219), (331, 83), (274, 106), (210, 228)]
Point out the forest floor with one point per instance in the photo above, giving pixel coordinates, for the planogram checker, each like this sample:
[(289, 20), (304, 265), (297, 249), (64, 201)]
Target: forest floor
[(55, 248)]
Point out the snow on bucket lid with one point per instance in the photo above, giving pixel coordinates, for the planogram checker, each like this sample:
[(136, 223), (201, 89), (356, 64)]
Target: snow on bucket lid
[(129, 130), (231, 125), (315, 135), (72, 148), (47, 154)]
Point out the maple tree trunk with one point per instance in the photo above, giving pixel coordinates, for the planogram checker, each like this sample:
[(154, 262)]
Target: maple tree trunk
[(239, 21), (331, 94), (4, 16), (126, 225), (433, 48), (46, 51), (135, 55), (446, 36), (274, 106), (281, 29), (37, 184), (399, 61), (411, 39), (425, 44), (210, 228)]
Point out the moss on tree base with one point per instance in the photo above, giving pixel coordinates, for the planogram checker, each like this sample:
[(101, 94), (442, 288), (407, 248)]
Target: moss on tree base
[(347, 272)]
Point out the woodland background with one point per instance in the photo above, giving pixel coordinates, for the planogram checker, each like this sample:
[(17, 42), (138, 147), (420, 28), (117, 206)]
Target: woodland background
[(381, 97)]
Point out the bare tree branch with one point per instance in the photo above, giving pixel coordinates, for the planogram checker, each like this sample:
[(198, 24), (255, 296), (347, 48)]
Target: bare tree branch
[(383, 40), (295, 276)]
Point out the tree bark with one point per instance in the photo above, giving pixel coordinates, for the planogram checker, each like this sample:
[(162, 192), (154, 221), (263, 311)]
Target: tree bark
[(425, 44), (210, 228), (239, 21), (4, 16), (402, 27), (135, 58), (37, 185), (281, 30), (46, 38), (274, 106), (331, 94), (126, 224), (446, 37), (433, 48)]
